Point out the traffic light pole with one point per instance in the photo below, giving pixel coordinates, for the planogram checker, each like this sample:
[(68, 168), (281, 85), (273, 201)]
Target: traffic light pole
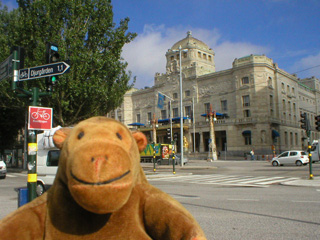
[(310, 156), (305, 124)]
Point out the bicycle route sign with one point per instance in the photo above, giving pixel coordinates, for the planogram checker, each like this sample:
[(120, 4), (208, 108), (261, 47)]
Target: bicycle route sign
[(47, 70), (40, 118)]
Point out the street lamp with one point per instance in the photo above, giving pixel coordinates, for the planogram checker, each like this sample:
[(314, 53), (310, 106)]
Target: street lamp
[(181, 107)]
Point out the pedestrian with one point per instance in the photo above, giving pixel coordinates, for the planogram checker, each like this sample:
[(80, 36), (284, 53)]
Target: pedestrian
[(252, 154)]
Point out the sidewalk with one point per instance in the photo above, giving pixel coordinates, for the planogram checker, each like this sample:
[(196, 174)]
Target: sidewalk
[(315, 182)]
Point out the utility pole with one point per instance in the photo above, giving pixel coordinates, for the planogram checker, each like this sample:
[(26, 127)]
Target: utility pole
[(154, 128)]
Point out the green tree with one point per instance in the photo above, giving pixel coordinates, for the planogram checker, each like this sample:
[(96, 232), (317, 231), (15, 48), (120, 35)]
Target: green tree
[(12, 109), (92, 44)]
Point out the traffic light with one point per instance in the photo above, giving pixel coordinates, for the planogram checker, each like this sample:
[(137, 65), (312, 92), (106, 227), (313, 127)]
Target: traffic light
[(175, 137), (317, 118), (169, 133), (52, 56), (303, 120)]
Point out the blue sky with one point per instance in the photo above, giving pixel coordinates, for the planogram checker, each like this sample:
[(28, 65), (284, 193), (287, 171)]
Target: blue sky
[(287, 31)]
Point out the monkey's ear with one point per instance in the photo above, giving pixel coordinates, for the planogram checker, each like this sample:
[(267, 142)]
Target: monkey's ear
[(140, 139), (60, 136)]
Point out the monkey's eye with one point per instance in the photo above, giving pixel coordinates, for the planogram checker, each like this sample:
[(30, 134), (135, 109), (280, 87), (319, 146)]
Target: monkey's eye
[(80, 135), (119, 136)]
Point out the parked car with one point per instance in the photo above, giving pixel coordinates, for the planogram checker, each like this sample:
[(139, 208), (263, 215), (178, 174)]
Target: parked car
[(296, 157), (3, 169)]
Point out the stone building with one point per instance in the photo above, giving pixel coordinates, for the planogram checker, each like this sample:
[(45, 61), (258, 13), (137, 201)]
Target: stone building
[(258, 104)]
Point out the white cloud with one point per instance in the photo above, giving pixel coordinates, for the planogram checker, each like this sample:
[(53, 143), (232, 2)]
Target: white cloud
[(146, 54), (308, 66)]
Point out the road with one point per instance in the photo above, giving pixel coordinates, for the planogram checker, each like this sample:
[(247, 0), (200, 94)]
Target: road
[(231, 200)]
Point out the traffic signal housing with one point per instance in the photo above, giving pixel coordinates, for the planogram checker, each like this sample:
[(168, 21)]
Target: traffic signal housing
[(169, 133), (303, 120), (317, 118), (52, 56)]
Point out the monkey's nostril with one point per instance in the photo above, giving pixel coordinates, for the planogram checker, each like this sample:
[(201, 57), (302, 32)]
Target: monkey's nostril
[(92, 159)]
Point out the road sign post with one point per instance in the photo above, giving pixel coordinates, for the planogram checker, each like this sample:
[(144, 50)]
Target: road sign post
[(48, 70)]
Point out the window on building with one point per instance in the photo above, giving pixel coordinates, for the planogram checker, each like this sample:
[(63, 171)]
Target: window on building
[(293, 91), (247, 113), (296, 139), (163, 114), (246, 100), (187, 93), (175, 95), (207, 107), (210, 58), (291, 139), (204, 56), (289, 106), (270, 82), (185, 54), (286, 138), (288, 89), (282, 86), (172, 58), (294, 108), (178, 56), (224, 105), (245, 80), (149, 116), (187, 111), (138, 117), (247, 139), (283, 104), (199, 54), (271, 101), (175, 112)]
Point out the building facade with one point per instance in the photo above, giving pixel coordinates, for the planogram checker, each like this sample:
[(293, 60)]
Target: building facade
[(258, 104)]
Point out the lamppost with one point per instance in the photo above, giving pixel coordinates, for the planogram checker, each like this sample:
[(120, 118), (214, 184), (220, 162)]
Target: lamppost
[(181, 96)]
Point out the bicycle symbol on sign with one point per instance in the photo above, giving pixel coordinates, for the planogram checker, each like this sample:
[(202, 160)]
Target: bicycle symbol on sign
[(42, 114)]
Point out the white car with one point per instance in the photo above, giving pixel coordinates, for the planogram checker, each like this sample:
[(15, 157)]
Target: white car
[(296, 157), (3, 169)]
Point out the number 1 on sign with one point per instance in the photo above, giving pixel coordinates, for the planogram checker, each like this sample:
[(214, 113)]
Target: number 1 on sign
[(60, 68)]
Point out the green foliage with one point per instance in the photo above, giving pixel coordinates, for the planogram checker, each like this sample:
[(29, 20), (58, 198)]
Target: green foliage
[(88, 40)]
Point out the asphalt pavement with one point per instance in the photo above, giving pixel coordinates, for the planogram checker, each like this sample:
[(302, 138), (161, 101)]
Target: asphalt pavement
[(203, 164)]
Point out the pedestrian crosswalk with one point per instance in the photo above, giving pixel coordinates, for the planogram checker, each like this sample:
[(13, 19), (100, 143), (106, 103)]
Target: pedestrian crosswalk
[(219, 179)]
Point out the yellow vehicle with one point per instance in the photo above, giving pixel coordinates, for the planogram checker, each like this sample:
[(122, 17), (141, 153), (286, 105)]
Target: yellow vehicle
[(162, 153)]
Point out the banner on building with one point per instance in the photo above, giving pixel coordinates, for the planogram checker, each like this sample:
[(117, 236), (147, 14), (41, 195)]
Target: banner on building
[(161, 99)]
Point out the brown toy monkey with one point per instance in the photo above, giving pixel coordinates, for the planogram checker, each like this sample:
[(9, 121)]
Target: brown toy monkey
[(101, 192)]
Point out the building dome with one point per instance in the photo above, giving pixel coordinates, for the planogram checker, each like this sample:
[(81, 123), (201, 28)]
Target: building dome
[(194, 54), (190, 42)]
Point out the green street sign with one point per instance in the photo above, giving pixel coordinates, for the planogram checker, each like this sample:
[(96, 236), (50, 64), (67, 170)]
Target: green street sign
[(6, 68)]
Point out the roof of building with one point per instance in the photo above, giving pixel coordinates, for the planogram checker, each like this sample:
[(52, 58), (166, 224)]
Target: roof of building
[(190, 42)]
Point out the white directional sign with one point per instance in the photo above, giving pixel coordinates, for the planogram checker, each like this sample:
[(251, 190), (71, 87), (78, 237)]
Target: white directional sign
[(48, 70)]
